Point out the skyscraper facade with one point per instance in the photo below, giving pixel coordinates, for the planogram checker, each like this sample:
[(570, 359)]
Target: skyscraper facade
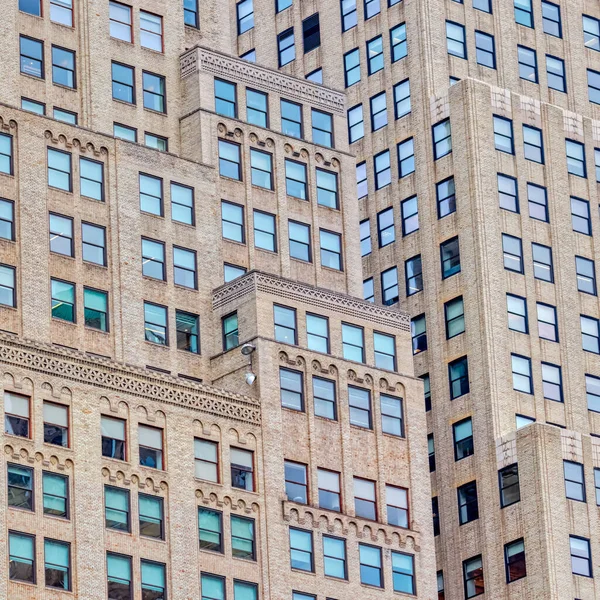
[(198, 402)]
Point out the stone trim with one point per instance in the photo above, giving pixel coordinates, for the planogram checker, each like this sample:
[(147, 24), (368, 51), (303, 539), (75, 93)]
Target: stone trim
[(257, 281), (222, 65), (110, 375)]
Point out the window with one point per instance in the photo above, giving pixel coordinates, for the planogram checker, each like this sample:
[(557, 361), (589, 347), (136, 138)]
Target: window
[(190, 12), (440, 585), (327, 189), (229, 160), (285, 46), (384, 347), (242, 538), (256, 108), (580, 216), (485, 50), (446, 198), (349, 15), (301, 550), (32, 57), (153, 580), (389, 286), (232, 222), (245, 16), (65, 116), (365, 503), (586, 275), (63, 300), (385, 229), (436, 516), (155, 324), (264, 231), (378, 111), (468, 507), (524, 13), (454, 313), (533, 146), (359, 400), (295, 179), (249, 56), (418, 329), (291, 389), (182, 203), (230, 331), (513, 253), (311, 33), (593, 78), (473, 577), (352, 67), (369, 290), (542, 262), (55, 489), (322, 128), (59, 170), (455, 39), (581, 556), (458, 374), (329, 490), (383, 174), (113, 437), (597, 485), (334, 559), (206, 460), (244, 591), (32, 7), (242, 469), (517, 313), (120, 21), (299, 235), (296, 482), (118, 576), (426, 391), (391, 415), (555, 69), (575, 158), (503, 136), (402, 105), (116, 508), (375, 55), (403, 572), (61, 11), (508, 481), (450, 257), (597, 163), (151, 31), (210, 530), (371, 572), (317, 333), (91, 179), (324, 398), (5, 154), (151, 446), (151, 516), (406, 158), (16, 414), (397, 506), (521, 374), (61, 235), (231, 272), (410, 215), (184, 268), (32, 106), (372, 8), (442, 139), (154, 92), (414, 275), (538, 202), (547, 325), (398, 42), (315, 76), (551, 21), (590, 334), (123, 86), (331, 249), (225, 98), (21, 557), (463, 439), (7, 286), (282, 5), (63, 67), (365, 233), (574, 481), (56, 424), (125, 133), (151, 194), (261, 169), (552, 382), (20, 487), (591, 32), (153, 259), (291, 119), (95, 309)]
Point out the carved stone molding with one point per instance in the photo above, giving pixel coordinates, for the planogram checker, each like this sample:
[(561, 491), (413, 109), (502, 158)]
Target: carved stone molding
[(308, 294), (106, 374), (217, 499), (261, 78)]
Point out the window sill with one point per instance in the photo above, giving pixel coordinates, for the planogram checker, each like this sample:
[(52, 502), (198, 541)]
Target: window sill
[(361, 429), (148, 278), (14, 308), (178, 286), (234, 241), (23, 12), (87, 328), (32, 77), (264, 189), (125, 103), (69, 323), (23, 510), (55, 446), (155, 112), (231, 178), (155, 52), (332, 269), (64, 87), (93, 264), (155, 345), (69, 192), (116, 460), (301, 261), (52, 253), (153, 469), (70, 28)]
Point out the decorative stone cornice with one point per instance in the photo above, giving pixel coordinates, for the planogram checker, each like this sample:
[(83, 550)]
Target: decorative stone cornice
[(111, 375), (261, 78), (257, 281)]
